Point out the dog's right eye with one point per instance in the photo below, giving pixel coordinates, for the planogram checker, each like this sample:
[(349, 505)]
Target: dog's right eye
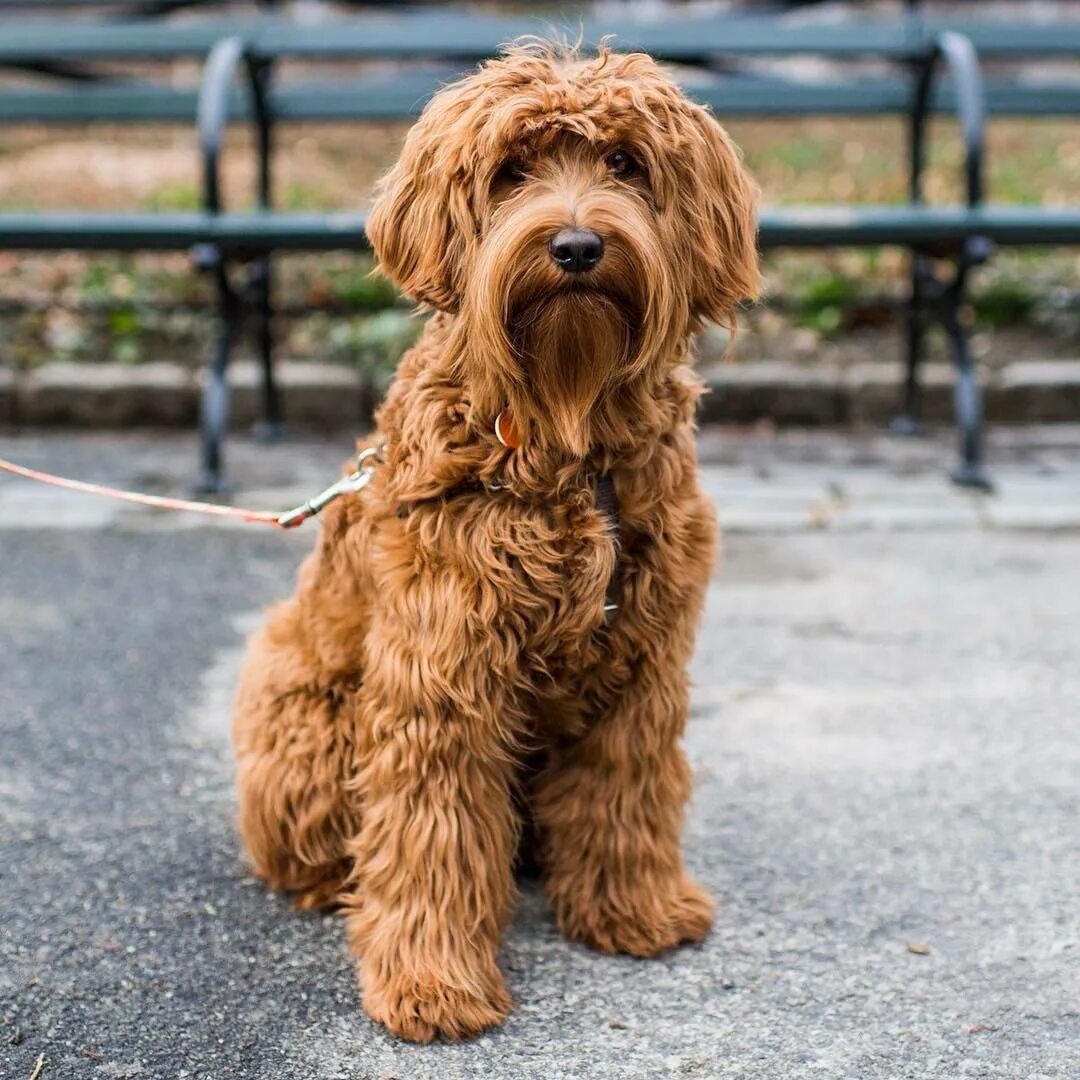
[(512, 172)]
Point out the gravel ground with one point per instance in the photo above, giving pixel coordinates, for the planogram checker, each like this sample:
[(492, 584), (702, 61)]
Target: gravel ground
[(888, 763)]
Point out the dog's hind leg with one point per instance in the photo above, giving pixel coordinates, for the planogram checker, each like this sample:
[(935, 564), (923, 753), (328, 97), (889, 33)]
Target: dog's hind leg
[(294, 749)]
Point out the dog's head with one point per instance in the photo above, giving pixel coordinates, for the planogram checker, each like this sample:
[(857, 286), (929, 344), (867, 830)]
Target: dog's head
[(581, 216)]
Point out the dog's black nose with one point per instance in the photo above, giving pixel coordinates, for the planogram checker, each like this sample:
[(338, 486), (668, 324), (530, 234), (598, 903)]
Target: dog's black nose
[(576, 250)]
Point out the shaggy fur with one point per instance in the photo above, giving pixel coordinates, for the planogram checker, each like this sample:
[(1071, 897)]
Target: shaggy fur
[(443, 673)]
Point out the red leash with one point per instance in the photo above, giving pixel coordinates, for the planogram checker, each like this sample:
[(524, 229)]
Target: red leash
[(289, 519)]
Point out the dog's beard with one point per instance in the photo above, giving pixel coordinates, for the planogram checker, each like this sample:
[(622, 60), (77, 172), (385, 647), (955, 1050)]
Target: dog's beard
[(562, 353), (573, 346)]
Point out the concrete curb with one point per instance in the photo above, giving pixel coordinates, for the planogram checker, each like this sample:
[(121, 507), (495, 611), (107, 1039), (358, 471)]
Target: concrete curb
[(106, 395), (7, 396), (329, 396), (1026, 392), (111, 396)]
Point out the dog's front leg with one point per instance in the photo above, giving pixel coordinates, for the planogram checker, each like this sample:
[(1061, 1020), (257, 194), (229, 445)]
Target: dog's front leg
[(432, 881), (611, 809), (610, 804)]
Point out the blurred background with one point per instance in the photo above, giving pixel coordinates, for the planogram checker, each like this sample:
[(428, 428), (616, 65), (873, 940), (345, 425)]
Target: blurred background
[(97, 113)]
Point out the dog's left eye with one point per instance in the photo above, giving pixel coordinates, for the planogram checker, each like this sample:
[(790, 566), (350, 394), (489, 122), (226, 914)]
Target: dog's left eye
[(622, 164)]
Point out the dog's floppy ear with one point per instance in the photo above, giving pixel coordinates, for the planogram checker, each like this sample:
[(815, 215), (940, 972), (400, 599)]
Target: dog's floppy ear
[(422, 222), (719, 206)]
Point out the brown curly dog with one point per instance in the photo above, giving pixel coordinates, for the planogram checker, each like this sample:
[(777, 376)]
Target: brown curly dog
[(449, 673)]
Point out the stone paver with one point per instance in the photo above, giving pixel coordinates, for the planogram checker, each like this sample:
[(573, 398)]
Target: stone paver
[(793, 481)]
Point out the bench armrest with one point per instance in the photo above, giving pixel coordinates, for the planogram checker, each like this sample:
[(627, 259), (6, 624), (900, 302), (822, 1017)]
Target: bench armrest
[(215, 93), (962, 65)]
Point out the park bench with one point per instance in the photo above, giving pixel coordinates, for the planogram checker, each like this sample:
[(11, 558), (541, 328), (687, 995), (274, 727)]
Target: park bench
[(712, 48)]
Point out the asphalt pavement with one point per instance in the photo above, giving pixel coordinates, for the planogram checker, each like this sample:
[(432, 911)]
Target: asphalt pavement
[(885, 735)]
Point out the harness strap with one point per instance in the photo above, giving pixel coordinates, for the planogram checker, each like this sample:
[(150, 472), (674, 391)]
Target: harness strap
[(608, 505)]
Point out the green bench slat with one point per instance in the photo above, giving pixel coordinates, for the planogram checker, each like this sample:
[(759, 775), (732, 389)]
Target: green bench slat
[(1015, 37), (409, 34), (234, 232), (737, 95), (403, 95), (871, 226), (465, 34), (86, 103), (445, 33), (673, 38), (38, 6), (379, 98), (807, 226), (751, 95), (25, 41)]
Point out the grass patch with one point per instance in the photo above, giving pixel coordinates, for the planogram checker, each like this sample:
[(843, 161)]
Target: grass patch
[(821, 302), (1005, 302), (175, 197), (358, 286)]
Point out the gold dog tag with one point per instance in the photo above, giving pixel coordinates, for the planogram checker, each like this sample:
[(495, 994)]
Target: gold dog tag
[(507, 431)]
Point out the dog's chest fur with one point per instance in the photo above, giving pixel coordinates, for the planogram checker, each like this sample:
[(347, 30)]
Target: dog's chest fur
[(541, 570), (539, 577), (510, 555)]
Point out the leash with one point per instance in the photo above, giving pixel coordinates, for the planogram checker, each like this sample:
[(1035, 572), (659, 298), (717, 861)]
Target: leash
[(367, 459), (356, 481)]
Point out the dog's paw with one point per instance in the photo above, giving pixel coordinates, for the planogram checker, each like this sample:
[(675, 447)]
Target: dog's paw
[(642, 921), (422, 1009)]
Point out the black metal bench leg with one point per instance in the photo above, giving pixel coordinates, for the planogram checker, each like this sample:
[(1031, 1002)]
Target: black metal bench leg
[(260, 77), (270, 427), (968, 406), (944, 299), (214, 409), (213, 113), (907, 423)]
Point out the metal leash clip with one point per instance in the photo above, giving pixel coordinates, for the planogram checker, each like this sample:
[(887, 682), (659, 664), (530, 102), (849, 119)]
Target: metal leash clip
[(356, 481)]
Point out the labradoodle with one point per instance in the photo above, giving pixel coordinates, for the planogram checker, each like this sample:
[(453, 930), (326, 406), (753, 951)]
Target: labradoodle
[(490, 641)]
